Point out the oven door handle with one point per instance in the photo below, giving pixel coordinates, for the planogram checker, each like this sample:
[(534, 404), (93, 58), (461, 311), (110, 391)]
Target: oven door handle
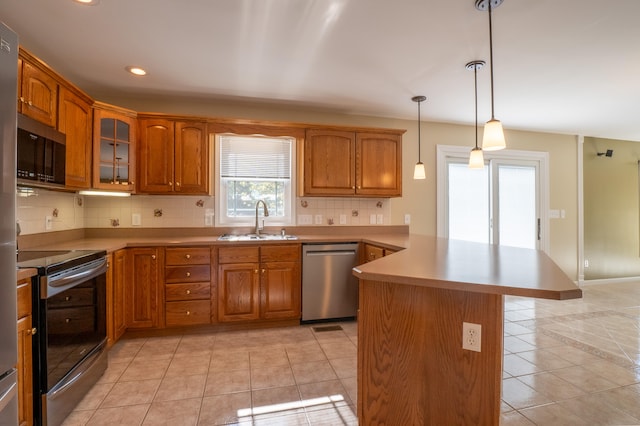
[(77, 276)]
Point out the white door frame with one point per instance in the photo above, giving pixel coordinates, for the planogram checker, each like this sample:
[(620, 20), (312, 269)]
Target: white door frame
[(443, 152)]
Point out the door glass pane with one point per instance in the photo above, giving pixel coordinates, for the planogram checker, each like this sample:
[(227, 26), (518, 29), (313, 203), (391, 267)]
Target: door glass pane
[(517, 206), (468, 203)]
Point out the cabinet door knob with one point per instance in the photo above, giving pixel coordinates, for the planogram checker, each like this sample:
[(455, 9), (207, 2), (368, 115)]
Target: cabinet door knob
[(153, 256), (170, 183), (30, 103), (188, 291), (263, 271), (188, 313), (22, 99), (33, 331), (255, 271), (188, 274), (177, 183), (67, 320), (188, 256)]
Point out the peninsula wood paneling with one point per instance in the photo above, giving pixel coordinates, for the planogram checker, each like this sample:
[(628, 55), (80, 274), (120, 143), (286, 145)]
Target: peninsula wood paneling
[(412, 369)]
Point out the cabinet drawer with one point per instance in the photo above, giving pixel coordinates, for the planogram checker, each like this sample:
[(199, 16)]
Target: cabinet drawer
[(187, 291), (24, 299), (77, 296), (238, 254), (188, 313), (71, 321), (279, 253), (189, 273), (187, 256)]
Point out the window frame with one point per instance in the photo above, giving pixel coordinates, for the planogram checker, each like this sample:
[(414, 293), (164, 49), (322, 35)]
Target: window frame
[(221, 219)]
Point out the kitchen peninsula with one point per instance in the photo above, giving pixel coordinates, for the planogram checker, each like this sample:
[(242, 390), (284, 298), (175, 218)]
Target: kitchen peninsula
[(412, 368)]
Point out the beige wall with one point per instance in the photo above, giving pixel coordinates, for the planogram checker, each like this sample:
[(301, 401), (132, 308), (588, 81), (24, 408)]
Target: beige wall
[(419, 197), (612, 234)]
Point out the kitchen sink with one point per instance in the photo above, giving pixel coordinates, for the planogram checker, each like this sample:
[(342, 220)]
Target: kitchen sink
[(256, 237)]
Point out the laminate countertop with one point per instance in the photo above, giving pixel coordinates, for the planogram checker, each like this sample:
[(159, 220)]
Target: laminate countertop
[(472, 267)]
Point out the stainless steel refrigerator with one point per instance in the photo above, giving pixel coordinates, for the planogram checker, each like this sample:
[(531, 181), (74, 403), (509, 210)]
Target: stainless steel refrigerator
[(8, 321)]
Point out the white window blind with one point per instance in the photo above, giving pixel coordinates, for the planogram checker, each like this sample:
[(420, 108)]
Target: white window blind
[(255, 158)]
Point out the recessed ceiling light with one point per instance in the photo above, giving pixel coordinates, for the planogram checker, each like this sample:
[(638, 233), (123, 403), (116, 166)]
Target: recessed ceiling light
[(88, 2), (136, 70)]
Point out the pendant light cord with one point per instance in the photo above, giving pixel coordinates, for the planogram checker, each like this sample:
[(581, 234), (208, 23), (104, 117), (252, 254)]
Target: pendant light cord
[(475, 87), (491, 57), (419, 102)]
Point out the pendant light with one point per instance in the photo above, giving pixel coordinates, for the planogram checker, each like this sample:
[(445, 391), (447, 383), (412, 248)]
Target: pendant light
[(476, 158), (493, 138), (418, 171)]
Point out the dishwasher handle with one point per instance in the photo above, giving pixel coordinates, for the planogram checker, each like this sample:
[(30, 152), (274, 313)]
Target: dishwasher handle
[(331, 253)]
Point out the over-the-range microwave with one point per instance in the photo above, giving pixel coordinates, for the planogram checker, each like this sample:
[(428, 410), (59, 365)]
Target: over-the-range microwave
[(41, 152)]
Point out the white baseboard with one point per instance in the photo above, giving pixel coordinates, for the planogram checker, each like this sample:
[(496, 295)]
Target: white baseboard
[(609, 281)]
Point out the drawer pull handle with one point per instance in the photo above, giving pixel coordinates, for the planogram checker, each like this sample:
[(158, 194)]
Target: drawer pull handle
[(188, 274), (67, 320), (188, 256), (188, 291)]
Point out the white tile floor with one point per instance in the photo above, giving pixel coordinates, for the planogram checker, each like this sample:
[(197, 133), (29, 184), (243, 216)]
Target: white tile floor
[(574, 362)]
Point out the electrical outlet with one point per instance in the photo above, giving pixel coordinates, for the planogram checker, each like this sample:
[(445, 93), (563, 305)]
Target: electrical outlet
[(48, 223), (343, 219), (471, 336), (379, 219), (372, 219), (318, 219), (209, 215), (305, 219), (407, 219), (586, 263), (135, 219)]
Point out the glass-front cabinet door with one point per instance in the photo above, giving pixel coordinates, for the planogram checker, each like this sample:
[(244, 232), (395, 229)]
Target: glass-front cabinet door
[(114, 148)]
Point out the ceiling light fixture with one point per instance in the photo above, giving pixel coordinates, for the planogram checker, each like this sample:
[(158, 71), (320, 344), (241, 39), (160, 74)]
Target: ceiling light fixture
[(493, 138), (88, 2), (136, 70), (476, 158), (418, 171)]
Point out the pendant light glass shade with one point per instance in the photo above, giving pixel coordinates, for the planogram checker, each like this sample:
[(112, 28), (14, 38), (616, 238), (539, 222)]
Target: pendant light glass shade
[(476, 159), (419, 171), (493, 138)]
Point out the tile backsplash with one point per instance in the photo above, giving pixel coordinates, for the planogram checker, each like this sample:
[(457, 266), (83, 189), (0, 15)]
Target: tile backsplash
[(46, 211)]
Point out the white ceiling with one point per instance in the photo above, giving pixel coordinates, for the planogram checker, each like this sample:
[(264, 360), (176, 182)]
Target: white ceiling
[(565, 66)]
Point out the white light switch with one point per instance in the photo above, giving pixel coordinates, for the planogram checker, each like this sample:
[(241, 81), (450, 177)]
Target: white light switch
[(318, 219), (135, 219)]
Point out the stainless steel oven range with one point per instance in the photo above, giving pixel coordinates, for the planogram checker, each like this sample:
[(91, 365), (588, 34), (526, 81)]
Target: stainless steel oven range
[(69, 349)]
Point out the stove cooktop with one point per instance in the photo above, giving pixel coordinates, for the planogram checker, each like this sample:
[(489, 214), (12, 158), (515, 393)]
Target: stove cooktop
[(47, 261)]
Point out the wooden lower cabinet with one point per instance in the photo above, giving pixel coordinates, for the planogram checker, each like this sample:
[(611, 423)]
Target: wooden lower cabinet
[(187, 286), (238, 292), (25, 360), (116, 296), (143, 293), (259, 282)]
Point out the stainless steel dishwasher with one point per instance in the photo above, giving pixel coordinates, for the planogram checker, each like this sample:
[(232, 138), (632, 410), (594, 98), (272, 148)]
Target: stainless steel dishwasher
[(329, 289)]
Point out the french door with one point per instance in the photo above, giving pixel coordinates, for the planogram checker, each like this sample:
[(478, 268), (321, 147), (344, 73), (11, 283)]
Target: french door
[(499, 204)]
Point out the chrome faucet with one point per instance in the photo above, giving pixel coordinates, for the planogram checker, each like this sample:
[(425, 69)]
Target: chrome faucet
[(265, 213)]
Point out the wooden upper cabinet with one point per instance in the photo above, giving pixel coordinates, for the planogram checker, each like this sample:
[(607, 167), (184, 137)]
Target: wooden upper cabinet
[(75, 121), (155, 155), (173, 156), (38, 93), (379, 164), (114, 141), (345, 163), (329, 162), (191, 151)]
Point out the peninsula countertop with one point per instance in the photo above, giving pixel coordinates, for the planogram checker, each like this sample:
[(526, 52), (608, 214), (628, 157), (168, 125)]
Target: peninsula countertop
[(472, 267)]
